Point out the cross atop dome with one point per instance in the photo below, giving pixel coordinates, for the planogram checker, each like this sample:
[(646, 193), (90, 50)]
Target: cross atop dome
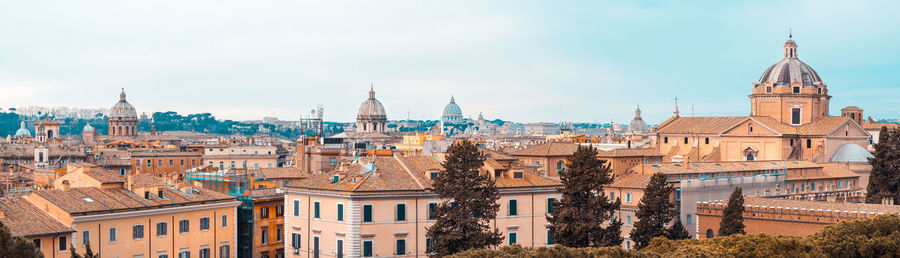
[(122, 95), (372, 90)]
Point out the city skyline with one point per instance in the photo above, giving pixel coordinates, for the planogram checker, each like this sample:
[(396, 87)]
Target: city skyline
[(588, 62)]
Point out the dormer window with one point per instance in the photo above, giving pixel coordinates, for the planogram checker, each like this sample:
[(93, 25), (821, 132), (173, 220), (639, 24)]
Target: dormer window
[(769, 89), (820, 90), (518, 175), (796, 90)]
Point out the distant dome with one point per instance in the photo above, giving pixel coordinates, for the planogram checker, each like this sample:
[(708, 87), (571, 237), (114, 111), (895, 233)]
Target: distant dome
[(122, 109), (849, 152), (22, 131), (790, 69), (638, 124), (371, 108), (452, 112), (88, 128)]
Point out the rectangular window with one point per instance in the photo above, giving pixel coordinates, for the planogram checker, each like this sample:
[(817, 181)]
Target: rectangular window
[(367, 213), (85, 237), (37, 243), (513, 207), (184, 226), (279, 234), (340, 212), (224, 221), (161, 229), (112, 235), (796, 89), (628, 220), (279, 210), (316, 210), (688, 219), (204, 223), (706, 141), (368, 249), (795, 116), (204, 253), (296, 208), (63, 243), (184, 254), (263, 212), (137, 232), (513, 238), (401, 212), (315, 247), (628, 197), (550, 204), (550, 237), (340, 248), (224, 251), (400, 249), (295, 240), (264, 236), (432, 210)]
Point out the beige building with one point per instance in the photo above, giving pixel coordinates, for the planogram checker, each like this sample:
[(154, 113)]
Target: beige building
[(241, 157), (380, 207), (551, 157)]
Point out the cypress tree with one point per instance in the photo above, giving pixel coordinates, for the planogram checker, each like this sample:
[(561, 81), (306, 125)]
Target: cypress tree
[(654, 211), (733, 215), (577, 218), (884, 180), (469, 203), (677, 231), (11, 246), (612, 234)]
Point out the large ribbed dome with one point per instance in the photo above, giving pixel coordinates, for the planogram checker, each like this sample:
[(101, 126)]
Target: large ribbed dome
[(790, 69), (371, 108), (452, 112), (122, 109)]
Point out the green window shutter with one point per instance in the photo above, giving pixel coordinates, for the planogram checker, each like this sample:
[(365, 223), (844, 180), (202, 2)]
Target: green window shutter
[(401, 212), (317, 211), (513, 208), (340, 212), (367, 213)]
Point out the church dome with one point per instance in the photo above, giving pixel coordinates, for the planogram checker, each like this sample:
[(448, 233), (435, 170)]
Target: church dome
[(638, 124), (88, 128), (849, 152), (122, 109), (452, 112), (790, 69), (371, 108), (22, 130)]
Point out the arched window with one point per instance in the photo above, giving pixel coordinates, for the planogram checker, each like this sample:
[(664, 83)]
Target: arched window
[(710, 233), (750, 157), (113, 129), (665, 139), (364, 127), (751, 128), (120, 130), (49, 134), (132, 129)]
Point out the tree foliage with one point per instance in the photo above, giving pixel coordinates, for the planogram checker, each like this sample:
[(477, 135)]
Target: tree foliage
[(11, 246), (470, 203), (884, 180), (577, 218), (677, 231), (655, 210), (733, 215), (554, 251)]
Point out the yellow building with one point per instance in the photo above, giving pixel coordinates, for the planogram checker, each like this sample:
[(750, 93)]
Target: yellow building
[(413, 143)]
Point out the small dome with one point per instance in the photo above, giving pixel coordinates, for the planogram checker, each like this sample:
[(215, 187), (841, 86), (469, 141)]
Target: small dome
[(849, 152), (88, 128), (22, 130), (371, 108), (638, 124), (122, 109), (790, 69)]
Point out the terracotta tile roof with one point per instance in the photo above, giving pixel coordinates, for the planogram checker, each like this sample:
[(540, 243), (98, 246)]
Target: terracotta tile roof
[(729, 166), (829, 170), (145, 180), (279, 173), (700, 125), (136, 154), (823, 126), (548, 149), (814, 205), (878, 126), (103, 175), (632, 180), (497, 155), (630, 152), (268, 193), (83, 200), (24, 219)]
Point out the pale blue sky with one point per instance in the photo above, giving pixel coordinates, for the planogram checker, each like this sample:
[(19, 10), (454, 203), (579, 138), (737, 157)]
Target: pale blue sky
[(590, 61)]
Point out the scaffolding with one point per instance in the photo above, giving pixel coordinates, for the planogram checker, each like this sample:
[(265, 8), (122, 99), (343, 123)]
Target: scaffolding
[(234, 184)]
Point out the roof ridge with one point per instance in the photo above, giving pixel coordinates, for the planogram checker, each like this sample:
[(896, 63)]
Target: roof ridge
[(408, 171)]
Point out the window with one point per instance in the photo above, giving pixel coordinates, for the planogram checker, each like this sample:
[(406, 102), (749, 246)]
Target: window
[(432, 210), (627, 244), (317, 212), (706, 141), (792, 142), (263, 212), (797, 90), (550, 204), (296, 208), (751, 128), (63, 243), (340, 212), (368, 249), (550, 237), (204, 223), (808, 143), (612, 196), (709, 233), (367, 213), (85, 237), (161, 229), (628, 197), (295, 240), (37, 243), (279, 234), (149, 163), (279, 210), (688, 220), (513, 207), (665, 139), (184, 254), (401, 212), (264, 236), (340, 248), (224, 251), (224, 221), (184, 226), (769, 89), (204, 252), (172, 163), (795, 116), (316, 247), (432, 176), (400, 248), (137, 232), (513, 238), (112, 235), (122, 171), (628, 220)]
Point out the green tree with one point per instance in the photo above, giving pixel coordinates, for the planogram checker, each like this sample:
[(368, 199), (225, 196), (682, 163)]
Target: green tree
[(612, 234), (88, 253), (733, 215), (578, 216), (654, 211), (11, 246), (677, 231), (884, 180), (469, 203)]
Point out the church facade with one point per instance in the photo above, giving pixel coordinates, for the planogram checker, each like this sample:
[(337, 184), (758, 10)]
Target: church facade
[(789, 120)]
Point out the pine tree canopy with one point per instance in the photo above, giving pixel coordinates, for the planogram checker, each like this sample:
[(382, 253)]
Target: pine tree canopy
[(733, 215), (11, 246), (884, 180), (655, 211)]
